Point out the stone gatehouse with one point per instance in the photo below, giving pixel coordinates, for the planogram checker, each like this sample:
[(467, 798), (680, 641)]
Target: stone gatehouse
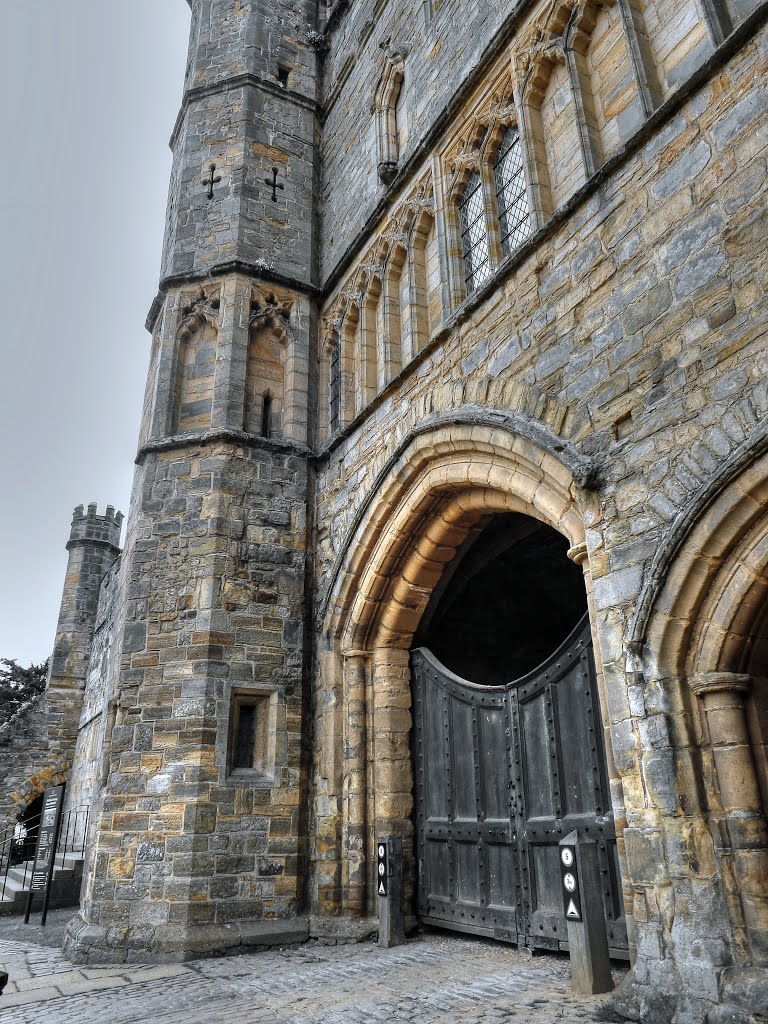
[(450, 513)]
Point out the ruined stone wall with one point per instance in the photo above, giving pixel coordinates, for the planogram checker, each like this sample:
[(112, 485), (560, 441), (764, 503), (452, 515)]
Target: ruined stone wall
[(38, 744), (100, 688), (24, 758), (626, 338)]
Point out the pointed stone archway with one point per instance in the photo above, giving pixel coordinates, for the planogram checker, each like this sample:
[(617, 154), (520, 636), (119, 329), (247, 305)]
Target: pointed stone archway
[(697, 842), (440, 488)]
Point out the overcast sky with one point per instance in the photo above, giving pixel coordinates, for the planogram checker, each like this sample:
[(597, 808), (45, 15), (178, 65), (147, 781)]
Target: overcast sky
[(90, 91)]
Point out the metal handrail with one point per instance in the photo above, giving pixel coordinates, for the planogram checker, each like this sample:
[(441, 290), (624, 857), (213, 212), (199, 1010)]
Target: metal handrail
[(73, 838)]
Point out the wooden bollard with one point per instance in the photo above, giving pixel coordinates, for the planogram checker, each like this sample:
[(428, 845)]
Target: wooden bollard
[(583, 902)]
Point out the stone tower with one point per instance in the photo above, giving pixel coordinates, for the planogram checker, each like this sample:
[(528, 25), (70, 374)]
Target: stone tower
[(93, 546), (200, 842)]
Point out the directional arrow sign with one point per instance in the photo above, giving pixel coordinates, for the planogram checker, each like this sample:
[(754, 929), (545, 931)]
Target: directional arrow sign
[(570, 877), (381, 868)]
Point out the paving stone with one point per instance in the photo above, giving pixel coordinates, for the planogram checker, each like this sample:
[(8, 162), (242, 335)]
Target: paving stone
[(434, 978)]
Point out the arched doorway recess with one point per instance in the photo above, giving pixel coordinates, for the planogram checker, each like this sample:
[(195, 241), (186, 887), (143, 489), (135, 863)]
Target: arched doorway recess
[(704, 644), (445, 486)]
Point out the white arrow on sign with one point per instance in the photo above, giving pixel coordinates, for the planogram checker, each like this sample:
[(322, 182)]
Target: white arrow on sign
[(571, 911)]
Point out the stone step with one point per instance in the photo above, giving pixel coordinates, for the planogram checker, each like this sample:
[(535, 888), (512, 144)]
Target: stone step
[(15, 886)]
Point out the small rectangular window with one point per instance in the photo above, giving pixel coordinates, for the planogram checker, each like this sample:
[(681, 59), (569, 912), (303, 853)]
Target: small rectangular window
[(283, 71), (245, 738), (252, 733)]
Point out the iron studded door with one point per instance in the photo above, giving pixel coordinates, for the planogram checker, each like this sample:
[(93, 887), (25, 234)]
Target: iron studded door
[(502, 774)]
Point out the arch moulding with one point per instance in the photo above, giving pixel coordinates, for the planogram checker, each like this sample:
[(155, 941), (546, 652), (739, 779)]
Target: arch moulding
[(435, 490)]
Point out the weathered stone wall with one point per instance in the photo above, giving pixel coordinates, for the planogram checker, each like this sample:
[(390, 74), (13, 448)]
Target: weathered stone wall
[(625, 339), (186, 847), (238, 114), (192, 847), (100, 688), (38, 744), (24, 758), (443, 46)]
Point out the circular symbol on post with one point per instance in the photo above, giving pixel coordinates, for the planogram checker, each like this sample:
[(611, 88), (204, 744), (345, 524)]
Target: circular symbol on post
[(381, 869), (569, 882), (566, 856), (381, 851)]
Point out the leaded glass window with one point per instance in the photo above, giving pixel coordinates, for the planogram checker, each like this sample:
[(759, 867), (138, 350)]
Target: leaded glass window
[(335, 387), (474, 236), (514, 214)]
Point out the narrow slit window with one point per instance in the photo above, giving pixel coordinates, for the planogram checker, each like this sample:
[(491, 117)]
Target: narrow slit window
[(514, 212), (245, 736), (266, 415), (474, 237), (335, 388), (283, 71)]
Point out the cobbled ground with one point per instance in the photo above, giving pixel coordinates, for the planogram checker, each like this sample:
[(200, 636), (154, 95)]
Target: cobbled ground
[(435, 977)]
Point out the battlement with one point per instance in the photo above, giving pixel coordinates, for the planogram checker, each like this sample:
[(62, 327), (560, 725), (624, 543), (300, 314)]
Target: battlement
[(90, 527)]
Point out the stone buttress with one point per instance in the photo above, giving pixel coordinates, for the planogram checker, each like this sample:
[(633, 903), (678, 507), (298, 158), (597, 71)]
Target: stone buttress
[(200, 841)]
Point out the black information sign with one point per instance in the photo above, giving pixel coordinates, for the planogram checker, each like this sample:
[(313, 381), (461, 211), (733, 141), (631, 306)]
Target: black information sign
[(381, 869), (45, 852), (571, 894)]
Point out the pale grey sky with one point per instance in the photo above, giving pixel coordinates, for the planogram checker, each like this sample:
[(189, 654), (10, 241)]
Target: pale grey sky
[(89, 91)]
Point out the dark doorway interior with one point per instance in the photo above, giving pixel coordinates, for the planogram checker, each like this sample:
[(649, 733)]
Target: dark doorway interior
[(25, 833), (506, 601)]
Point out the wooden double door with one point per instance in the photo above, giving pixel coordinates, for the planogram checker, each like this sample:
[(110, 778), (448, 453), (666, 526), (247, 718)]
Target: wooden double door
[(502, 774)]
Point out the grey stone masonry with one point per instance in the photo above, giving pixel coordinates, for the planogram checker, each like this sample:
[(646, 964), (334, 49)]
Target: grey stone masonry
[(249, 107), (37, 746), (202, 825)]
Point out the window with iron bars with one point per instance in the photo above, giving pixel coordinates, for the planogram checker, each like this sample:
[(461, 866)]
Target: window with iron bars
[(514, 212), (474, 236), (335, 387)]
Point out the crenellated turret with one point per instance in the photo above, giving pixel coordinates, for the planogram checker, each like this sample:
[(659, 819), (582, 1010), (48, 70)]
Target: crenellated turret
[(91, 528)]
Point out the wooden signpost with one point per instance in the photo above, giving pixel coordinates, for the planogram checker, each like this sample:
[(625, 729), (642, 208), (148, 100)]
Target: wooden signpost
[(583, 903), (389, 885)]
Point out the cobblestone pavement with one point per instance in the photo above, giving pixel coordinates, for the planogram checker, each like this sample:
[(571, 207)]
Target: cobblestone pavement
[(435, 977)]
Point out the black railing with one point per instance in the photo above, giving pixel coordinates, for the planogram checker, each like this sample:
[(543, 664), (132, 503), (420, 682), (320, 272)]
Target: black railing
[(18, 842)]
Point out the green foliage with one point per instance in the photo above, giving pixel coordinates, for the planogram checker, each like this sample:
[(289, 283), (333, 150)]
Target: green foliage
[(18, 685)]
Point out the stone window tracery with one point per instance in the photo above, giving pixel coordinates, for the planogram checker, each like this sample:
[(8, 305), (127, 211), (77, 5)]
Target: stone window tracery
[(474, 233), (511, 195)]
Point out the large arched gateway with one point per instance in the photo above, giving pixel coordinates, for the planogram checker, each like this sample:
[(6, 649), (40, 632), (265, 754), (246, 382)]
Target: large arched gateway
[(458, 619)]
